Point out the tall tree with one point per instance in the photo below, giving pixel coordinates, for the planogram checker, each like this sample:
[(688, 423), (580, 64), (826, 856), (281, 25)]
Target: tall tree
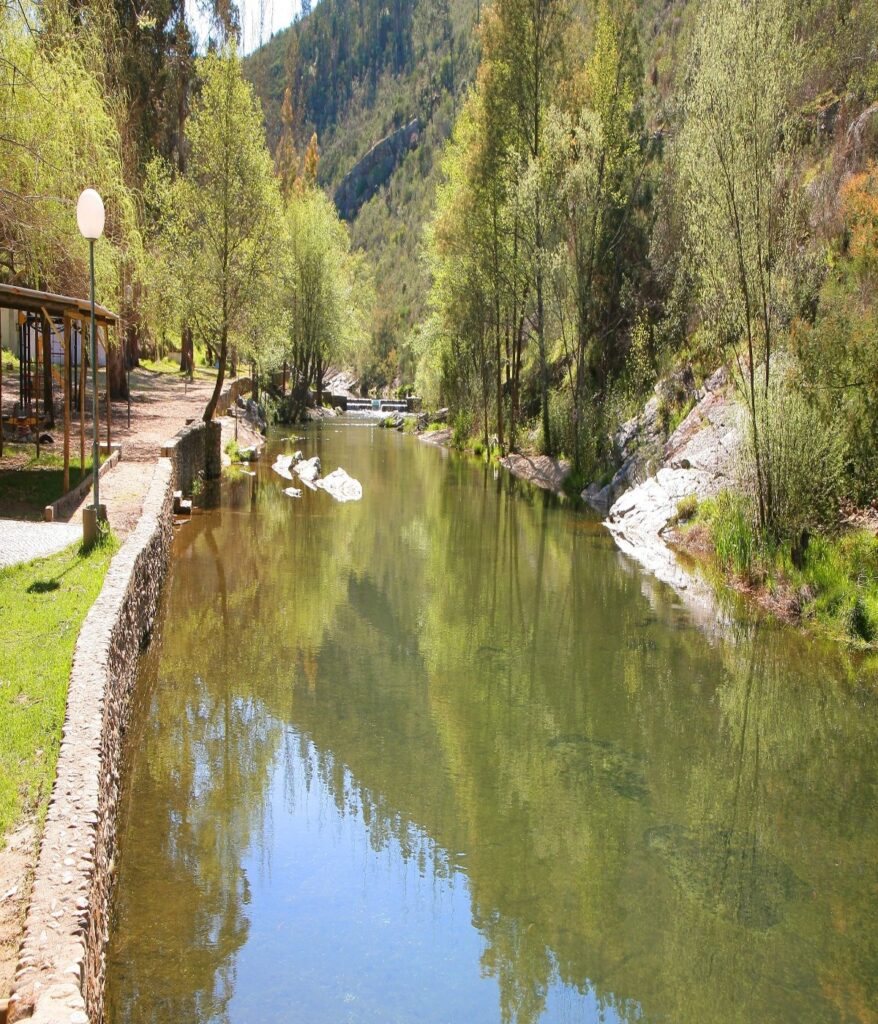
[(738, 145), (224, 211)]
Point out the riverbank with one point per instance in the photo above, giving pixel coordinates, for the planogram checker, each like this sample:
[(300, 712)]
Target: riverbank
[(66, 922)]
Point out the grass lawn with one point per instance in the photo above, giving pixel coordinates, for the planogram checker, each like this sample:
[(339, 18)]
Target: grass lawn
[(42, 605), (27, 480)]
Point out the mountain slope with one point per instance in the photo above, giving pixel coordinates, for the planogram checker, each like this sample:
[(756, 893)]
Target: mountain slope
[(358, 71)]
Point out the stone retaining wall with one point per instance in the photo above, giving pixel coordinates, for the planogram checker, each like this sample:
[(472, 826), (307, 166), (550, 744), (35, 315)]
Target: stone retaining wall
[(238, 387), (195, 451), (60, 974)]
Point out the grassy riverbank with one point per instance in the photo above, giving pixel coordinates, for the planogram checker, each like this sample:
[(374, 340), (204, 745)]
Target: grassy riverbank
[(42, 607), (829, 584)]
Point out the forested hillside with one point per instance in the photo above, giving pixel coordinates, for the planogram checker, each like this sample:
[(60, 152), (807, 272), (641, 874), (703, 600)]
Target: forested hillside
[(357, 72)]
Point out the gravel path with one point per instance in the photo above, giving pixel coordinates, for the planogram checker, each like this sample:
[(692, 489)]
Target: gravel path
[(21, 541), (161, 404)]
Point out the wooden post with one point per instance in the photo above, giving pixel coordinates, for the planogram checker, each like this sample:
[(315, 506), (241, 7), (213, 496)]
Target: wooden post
[(107, 381), (36, 387), (1, 402), (66, 404), (82, 351)]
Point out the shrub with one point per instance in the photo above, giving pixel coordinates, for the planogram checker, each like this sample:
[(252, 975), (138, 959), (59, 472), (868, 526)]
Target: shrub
[(801, 463), (687, 508), (233, 451), (734, 535), (461, 429), (479, 448)]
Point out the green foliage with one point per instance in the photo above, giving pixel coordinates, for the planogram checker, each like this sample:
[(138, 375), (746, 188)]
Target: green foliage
[(687, 508), (219, 246), (60, 134), (44, 599), (802, 464), (734, 533), (461, 430), (325, 291)]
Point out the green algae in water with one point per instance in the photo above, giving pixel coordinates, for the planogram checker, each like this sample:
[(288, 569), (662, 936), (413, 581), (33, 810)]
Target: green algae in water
[(604, 763), (727, 873)]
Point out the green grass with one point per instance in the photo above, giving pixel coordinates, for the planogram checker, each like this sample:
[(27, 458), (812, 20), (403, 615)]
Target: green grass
[(833, 583), (42, 605), (163, 365), (38, 481)]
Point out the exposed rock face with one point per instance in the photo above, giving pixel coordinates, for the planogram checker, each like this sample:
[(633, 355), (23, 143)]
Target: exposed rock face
[(374, 169), (539, 470), (697, 459), (640, 442)]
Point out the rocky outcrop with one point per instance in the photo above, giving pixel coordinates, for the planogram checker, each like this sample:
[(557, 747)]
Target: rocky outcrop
[(696, 460), (540, 470), (639, 442), (374, 169)]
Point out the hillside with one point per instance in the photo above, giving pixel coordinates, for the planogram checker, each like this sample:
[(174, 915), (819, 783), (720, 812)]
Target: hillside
[(358, 73)]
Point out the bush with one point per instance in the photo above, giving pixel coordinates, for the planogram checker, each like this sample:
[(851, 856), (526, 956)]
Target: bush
[(479, 448), (233, 451), (734, 535), (461, 429), (687, 508), (801, 461)]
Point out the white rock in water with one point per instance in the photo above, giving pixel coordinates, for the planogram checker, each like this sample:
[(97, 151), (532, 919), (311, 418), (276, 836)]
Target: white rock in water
[(309, 470), (341, 486), (292, 492), (298, 456), (281, 466)]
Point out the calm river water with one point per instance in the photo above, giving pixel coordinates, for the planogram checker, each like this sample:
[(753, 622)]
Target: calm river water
[(445, 756)]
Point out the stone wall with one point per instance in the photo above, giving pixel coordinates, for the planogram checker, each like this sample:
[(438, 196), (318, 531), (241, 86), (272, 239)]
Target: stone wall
[(60, 974), (238, 387), (195, 451)]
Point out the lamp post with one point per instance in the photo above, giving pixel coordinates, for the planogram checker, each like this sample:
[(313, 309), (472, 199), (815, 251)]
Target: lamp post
[(90, 221)]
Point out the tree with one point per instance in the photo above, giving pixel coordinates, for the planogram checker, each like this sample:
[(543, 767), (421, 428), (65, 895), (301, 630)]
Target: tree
[(224, 212), (599, 160), (322, 290), (737, 148), (525, 40)]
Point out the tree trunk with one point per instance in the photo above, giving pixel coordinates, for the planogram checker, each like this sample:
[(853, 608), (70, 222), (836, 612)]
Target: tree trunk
[(187, 351), (210, 409), (117, 378)]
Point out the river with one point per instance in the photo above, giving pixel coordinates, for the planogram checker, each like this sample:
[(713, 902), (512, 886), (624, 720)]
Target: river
[(446, 756)]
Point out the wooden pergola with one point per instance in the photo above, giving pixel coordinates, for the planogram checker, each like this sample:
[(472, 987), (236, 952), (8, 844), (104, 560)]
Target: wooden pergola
[(75, 315)]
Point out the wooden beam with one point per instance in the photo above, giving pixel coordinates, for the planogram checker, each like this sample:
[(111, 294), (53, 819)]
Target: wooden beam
[(66, 404), (82, 361), (107, 382)]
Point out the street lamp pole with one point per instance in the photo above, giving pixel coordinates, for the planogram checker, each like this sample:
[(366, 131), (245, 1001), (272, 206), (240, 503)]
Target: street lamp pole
[(90, 220), (95, 456)]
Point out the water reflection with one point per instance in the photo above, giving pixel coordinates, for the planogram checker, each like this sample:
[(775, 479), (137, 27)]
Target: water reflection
[(444, 755)]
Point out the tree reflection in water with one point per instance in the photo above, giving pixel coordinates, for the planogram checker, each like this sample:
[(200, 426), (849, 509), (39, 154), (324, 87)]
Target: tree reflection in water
[(646, 821)]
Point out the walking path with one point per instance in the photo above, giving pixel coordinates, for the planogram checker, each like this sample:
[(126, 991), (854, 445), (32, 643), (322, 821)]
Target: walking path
[(22, 541), (161, 404)]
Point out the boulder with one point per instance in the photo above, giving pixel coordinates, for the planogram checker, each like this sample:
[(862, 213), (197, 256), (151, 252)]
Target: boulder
[(308, 470), (341, 486)]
